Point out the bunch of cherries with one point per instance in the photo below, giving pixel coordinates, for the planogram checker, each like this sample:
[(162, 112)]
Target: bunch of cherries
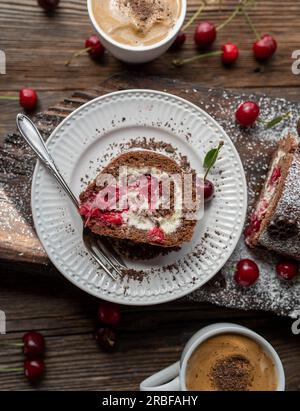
[(33, 346), (205, 35)]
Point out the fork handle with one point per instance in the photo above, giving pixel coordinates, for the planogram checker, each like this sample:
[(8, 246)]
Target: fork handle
[(33, 137)]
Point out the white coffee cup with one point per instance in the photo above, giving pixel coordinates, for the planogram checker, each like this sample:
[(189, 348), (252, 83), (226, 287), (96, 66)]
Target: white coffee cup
[(139, 54), (172, 378)]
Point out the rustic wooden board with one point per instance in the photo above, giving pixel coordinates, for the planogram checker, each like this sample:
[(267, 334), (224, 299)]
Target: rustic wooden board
[(18, 241)]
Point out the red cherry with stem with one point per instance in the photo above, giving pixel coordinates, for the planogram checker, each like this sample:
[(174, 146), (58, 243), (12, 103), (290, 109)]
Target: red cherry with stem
[(34, 344), (181, 37), (205, 34), (93, 47), (208, 190), (179, 40), (28, 98), (247, 273), (287, 270), (246, 113), (109, 313), (34, 369), (265, 47), (230, 53)]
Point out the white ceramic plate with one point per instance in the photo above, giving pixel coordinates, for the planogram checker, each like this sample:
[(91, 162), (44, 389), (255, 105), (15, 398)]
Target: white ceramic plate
[(87, 140)]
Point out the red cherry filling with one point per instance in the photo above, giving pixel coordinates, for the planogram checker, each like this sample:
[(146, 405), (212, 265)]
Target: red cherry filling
[(112, 218), (156, 235), (275, 175), (104, 217), (254, 225)]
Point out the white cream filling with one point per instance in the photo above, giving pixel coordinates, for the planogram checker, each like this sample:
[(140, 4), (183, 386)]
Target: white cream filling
[(134, 217)]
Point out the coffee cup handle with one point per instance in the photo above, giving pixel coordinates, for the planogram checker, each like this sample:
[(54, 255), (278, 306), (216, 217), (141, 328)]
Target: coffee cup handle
[(164, 380)]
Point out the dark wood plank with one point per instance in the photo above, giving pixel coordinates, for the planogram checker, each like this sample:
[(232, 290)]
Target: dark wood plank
[(149, 337)]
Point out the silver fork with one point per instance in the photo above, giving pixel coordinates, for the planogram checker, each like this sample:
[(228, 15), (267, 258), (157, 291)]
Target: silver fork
[(32, 136)]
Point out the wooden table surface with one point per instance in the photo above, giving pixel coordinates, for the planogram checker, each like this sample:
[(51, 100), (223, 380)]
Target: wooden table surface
[(39, 298)]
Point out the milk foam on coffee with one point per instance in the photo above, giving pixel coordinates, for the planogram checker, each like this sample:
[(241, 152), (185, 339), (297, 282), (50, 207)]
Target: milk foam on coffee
[(230, 362), (137, 22)]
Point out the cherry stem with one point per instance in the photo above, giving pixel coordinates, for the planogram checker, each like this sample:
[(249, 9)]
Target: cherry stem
[(250, 22), (195, 16), (220, 145), (13, 98), (237, 10), (77, 54), (11, 369), (178, 62), (8, 344)]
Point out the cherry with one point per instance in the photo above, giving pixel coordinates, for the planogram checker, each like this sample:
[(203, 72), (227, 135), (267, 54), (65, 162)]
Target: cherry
[(208, 190), (287, 270), (230, 53), (112, 218), (205, 34), (34, 369), (95, 46), (247, 272), (179, 40), (34, 344), (106, 338), (109, 313), (48, 5), (156, 235), (265, 47), (28, 98), (246, 113)]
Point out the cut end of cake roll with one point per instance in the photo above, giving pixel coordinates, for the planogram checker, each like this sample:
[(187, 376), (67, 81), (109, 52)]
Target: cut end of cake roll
[(275, 222), (136, 209)]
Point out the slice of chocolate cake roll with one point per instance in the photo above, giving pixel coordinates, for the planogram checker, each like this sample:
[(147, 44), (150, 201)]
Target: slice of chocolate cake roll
[(275, 223), (136, 197)]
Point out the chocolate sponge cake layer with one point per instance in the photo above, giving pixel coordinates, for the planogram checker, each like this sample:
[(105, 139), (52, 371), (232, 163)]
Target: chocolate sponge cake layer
[(275, 223), (168, 227)]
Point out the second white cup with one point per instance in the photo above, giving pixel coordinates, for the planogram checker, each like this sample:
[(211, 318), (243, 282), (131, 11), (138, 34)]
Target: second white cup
[(173, 377)]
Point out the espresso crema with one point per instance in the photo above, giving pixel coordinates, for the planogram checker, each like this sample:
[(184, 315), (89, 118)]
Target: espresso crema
[(230, 362), (137, 22)]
